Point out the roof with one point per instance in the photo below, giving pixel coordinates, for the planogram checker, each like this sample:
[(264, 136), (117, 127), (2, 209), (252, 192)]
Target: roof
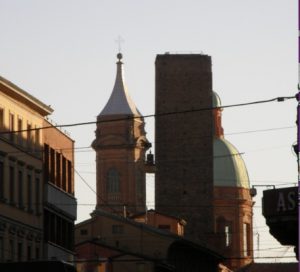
[(156, 212), (269, 267), (119, 102), (148, 228), (216, 100), (17, 93), (229, 167)]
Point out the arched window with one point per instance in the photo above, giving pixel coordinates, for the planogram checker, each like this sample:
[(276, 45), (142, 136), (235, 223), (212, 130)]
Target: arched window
[(224, 229), (113, 181)]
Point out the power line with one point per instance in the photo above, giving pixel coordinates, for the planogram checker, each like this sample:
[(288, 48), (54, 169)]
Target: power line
[(278, 99)]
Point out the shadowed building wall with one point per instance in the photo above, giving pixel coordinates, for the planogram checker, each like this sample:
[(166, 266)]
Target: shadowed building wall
[(184, 147)]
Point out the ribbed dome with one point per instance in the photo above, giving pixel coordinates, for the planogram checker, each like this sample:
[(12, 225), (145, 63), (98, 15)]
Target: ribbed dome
[(216, 100), (229, 167)]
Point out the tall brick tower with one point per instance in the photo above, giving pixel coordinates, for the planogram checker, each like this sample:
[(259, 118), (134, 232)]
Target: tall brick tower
[(120, 147), (200, 176), (184, 147)]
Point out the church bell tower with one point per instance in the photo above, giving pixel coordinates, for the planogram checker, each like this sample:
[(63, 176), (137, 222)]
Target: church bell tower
[(120, 147)]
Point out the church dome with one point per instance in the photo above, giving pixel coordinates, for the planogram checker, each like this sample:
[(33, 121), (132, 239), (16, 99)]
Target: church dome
[(229, 167), (216, 100)]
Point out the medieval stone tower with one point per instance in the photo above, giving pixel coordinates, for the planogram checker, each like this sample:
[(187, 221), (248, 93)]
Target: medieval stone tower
[(183, 145), (120, 147), (200, 176)]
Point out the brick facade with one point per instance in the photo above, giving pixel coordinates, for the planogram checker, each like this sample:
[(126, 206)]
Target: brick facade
[(184, 176)]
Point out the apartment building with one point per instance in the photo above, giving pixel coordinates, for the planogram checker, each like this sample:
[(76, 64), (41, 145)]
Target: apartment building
[(25, 193)]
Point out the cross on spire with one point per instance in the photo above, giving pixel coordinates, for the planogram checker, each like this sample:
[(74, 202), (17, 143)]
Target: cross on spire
[(119, 40)]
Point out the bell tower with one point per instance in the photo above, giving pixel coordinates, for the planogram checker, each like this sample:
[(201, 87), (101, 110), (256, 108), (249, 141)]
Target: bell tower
[(232, 198), (120, 147)]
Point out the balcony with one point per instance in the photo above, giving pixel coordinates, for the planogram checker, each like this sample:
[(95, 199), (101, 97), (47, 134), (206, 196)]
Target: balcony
[(61, 200)]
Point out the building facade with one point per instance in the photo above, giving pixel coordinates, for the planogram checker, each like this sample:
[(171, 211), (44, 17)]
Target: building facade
[(23, 188), (60, 206)]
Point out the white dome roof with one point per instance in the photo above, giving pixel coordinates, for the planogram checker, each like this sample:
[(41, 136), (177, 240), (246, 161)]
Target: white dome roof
[(216, 100), (229, 167), (120, 102)]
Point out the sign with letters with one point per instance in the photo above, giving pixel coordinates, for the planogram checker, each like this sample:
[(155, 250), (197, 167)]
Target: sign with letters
[(280, 202)]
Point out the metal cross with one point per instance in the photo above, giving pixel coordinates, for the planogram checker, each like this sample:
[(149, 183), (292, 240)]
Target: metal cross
[(119, 41)]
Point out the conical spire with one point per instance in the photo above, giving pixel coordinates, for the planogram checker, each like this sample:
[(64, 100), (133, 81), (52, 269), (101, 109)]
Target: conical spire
[(120, 102)]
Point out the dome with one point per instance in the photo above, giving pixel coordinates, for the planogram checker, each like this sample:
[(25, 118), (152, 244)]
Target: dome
[(120, 102), (216, 101), (229, 167)]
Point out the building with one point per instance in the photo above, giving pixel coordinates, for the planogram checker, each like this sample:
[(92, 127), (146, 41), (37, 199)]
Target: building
[(120, 147), (200, 176), (184, 170), (161, 221), (110, 242), (232, 200), (121, 235), (60, 205), (23, 185)]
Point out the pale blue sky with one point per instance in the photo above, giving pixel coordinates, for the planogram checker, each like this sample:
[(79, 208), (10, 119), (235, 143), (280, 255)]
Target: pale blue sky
[(63, 52)]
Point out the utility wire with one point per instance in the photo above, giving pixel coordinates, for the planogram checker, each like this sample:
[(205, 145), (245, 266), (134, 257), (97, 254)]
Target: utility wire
[(278, 99)]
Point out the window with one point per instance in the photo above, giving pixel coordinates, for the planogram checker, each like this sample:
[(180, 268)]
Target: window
[(113, 181), (117, 229), (20, 189), (37, 253), (69, 171), (20, 128), (228, 236), (29, 133), (37, 195), (37, 138), (58, 230), (224, 230), (58, 170), (11, 250), (1, 119), (1, 179), (246, 239), (20, 251), (47, 162), (29, 192), (52, 165), (1, 249), (29, 252), (64, 174), (11, 185), (11, 126)]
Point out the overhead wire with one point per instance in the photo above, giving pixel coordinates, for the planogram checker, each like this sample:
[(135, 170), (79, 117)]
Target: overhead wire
[(278, 99)]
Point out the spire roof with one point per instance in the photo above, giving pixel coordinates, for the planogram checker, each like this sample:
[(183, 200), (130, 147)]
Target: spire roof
[(120, 102)]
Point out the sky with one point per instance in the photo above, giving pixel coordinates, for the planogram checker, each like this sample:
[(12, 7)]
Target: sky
[(64, 52)]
